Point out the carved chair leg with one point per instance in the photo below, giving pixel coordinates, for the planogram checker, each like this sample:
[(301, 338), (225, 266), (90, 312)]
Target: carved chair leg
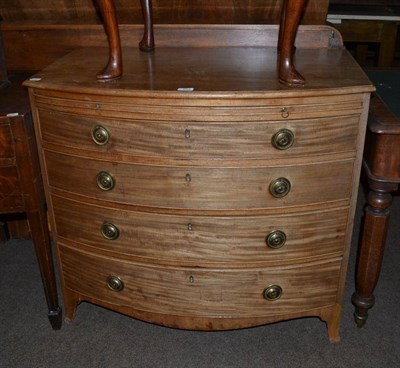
[(290, 19), (113, 69), (372, 248), (147, 42)]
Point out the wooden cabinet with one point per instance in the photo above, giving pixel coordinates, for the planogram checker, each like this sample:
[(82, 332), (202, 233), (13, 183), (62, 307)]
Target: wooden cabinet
[(196, 191)]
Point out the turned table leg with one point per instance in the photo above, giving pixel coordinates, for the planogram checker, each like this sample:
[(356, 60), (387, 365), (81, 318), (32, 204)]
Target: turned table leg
[(147, 42), (113, 69), (290, 19), (372, 247)]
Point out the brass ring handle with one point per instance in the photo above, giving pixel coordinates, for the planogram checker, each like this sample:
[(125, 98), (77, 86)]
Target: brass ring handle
[(283, 139), (100, 135), (110, 231), (105, 181), (115, 283), (276, 239), (272, 292), (280, 187), (285, 112)]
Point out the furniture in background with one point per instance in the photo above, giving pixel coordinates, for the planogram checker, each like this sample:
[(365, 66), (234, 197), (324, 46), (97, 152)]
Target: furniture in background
[(21, 188), (36, 33), (367, 22), (4, 82), (289, 21), (382, 167), (3, 71), (197, 191)]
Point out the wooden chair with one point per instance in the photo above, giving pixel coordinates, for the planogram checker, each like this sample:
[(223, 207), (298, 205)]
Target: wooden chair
[(290, 18)]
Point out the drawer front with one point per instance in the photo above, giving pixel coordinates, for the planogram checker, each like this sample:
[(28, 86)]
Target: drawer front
[(196, 108), (203, 239), (6, 142), (225, 140), (198, 292), (11, 199), (200, 188)]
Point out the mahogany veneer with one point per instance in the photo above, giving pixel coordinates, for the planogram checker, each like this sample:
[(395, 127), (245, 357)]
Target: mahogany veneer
[(167, 186)]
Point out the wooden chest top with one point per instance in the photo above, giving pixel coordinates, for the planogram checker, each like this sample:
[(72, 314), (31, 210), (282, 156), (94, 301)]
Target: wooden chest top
[(204, 72)]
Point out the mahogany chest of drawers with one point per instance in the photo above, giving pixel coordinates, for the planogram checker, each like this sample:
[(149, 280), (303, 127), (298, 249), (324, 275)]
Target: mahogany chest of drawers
[(198, 193)]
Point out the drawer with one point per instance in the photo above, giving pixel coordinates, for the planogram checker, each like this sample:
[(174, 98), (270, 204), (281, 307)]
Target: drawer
[(203, 239), (224, 140), (6, 142), (183, 107), (11, 199), (236, 188), (197, 292)]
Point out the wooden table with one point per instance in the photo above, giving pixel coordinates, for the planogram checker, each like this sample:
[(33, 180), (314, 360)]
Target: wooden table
[(21, 184), (382, 166)]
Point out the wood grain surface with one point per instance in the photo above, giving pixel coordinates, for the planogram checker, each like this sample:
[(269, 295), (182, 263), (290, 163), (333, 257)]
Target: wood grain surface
[(203, 140), (22, 40), (165, 11), (223, 241), (11, 199), (194, 209), (206, 70), (212, 293), (6, 147), (237, 188)]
